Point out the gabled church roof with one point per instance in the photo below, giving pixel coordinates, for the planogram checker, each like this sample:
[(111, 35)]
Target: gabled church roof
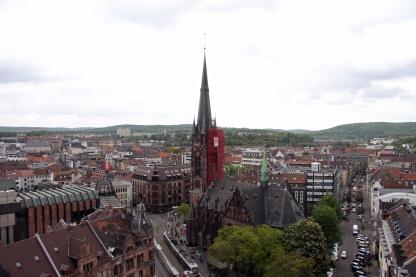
[(272, 204)]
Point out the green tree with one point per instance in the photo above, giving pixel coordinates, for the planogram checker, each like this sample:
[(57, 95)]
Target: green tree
[(290, 264), (173, 150), (249, 249), (238, 246), (183, 209), (230, 169), (306, 238), (327, 219), (271, 244), (332, 201)]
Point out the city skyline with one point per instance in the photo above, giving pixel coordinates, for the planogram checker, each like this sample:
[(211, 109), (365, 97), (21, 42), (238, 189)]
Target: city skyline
[(276, 64)]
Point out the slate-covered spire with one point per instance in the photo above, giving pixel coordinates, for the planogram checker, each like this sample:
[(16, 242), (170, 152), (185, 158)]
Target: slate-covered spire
[(264, 175), (141, 222), (204, 110)]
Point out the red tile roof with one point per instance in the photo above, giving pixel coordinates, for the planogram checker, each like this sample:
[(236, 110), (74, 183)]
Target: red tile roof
[(19, 258), (164, 154), (36, 159), (232, 159)]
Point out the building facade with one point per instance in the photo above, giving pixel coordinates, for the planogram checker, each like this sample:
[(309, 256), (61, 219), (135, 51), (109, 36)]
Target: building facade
[(123, 132), (252, 157), (109, 242), (26, 213), (321, 181), (160, 187)]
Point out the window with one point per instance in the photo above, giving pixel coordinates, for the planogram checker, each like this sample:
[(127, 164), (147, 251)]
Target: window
[(117, 269), (87, 266), (129, 264)]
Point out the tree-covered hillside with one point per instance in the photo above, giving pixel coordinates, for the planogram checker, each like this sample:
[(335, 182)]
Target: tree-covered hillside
[(366, 131), (354, 131)]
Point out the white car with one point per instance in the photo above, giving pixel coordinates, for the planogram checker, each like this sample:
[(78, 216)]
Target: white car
[(353, 210), (330, 272), (344, 254)]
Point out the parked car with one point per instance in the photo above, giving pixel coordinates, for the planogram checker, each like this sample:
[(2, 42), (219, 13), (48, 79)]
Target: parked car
[(356, 268), (335, 253), (330, 272), (360, 256), (360, 273), (360, 262), (344, 254), (363, 244), (353, 210), (364, 252)]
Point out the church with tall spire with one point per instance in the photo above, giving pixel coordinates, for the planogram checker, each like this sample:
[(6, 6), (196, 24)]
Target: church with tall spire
[(216, 201), (208, 145)]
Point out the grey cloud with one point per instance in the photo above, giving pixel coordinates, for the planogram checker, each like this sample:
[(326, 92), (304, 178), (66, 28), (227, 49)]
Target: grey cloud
[(392, 15), (379, 92), (352, 80), (161, 14), (155, 13), (14, 72)]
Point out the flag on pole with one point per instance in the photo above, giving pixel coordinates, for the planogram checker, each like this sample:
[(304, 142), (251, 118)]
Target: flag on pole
[(106, 166)]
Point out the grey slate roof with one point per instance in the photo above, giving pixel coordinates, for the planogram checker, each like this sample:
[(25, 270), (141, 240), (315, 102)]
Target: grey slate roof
[(272, 204), (37, 143), (204, 111), (163, 171)]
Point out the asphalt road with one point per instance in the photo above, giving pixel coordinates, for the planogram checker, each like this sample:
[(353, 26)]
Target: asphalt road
[(161, 224), (349, 243)]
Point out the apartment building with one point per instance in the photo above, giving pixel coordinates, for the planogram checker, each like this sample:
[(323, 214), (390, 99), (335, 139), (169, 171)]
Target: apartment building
[(160, 187), (252, 157), (123, 132), (321, 181)]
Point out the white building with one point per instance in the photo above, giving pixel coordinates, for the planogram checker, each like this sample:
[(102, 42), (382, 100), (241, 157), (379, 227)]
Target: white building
[(321, 181), (252, 156), (123, 132), (380, 195), (123, 191)]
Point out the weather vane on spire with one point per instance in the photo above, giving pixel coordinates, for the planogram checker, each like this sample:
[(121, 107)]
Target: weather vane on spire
[(205, 41)]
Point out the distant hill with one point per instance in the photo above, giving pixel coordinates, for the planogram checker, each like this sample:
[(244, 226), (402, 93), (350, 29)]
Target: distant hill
[(139, 129), (36, 129), (354, 131), (366, 131)]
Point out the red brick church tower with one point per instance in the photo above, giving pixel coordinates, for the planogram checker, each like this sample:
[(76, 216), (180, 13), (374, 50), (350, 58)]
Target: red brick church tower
[(207, 145)]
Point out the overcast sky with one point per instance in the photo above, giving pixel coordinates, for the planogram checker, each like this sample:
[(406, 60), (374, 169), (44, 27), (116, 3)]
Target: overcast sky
[(271, 64)]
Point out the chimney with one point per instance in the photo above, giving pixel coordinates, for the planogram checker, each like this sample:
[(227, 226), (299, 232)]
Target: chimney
[(48, 229), (71, 227)]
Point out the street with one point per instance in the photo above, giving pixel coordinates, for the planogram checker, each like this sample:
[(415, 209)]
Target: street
[(161, 223), (349, 243)]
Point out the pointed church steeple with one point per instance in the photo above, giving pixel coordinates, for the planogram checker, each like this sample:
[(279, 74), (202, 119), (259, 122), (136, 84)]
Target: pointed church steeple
[(204, 110), (264, 175)]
